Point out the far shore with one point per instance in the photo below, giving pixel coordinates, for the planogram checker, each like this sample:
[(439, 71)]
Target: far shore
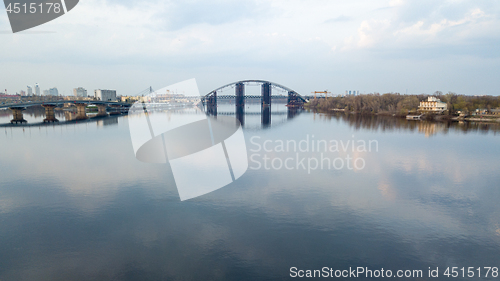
[(453, 107), (427, 117)]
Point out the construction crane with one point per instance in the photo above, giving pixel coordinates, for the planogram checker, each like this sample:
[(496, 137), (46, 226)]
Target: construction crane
[(319, 92)]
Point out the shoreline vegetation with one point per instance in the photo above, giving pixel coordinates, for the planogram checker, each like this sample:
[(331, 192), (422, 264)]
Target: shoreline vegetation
[(459, 107)]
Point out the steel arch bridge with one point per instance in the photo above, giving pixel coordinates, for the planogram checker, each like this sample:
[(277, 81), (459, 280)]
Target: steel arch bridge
[(293, 98)]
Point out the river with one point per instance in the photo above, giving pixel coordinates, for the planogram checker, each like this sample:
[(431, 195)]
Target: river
[(76, 204)]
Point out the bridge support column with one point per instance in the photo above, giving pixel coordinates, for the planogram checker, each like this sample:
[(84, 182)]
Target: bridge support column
[(240, 102), (212, 104), (17, 113), (266, 116), (266, 105), (81, 112), (240, 114), (50, 115), (101, 110), (240, 94), (266, 94)]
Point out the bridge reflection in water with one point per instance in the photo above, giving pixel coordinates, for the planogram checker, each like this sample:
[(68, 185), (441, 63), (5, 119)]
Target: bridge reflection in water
[(253, 116)]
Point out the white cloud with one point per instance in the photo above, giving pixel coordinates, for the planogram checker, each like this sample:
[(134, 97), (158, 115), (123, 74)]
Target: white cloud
[(371, 33), (434, 28), (390, 33), (228, 39)]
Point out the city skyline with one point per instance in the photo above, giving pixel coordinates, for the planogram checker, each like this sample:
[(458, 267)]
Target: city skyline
[(52, 91)]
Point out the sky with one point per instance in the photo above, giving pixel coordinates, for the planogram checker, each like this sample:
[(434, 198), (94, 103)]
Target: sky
[(404, 46)]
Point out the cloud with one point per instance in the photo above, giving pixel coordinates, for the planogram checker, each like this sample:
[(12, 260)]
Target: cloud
[(372, 32), (249, 38), (187, 13), (465, 30), (433, 28), (341, 18)]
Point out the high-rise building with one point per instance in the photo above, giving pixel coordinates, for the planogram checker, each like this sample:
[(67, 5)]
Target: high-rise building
[(105, 95), (80, 92), (22, 93), (53, 92), (37, 89), (30, 91)]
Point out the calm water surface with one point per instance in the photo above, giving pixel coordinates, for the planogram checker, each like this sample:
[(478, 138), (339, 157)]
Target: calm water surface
[(75, 204)]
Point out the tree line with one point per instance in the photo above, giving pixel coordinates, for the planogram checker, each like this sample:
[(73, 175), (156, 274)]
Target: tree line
[(395, 103)]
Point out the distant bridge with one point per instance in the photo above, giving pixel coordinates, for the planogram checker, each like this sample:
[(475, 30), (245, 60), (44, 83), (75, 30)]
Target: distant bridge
[(17, 108), (249, 97), (61, 102)]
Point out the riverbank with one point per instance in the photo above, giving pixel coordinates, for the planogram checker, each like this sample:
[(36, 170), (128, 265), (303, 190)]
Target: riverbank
[(422, 117), (457, 107)]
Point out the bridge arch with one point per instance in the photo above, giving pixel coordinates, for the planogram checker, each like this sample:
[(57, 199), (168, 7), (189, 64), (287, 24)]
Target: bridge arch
[(274, 85)]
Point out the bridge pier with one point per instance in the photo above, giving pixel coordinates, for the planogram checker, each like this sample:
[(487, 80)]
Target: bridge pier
[(240, 102), (266, 116), (101, 110), (17, 113), (240, 114), (50, 115), (81, 112), (266, 94), (212, 104), (240, 94), (266, 104)]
